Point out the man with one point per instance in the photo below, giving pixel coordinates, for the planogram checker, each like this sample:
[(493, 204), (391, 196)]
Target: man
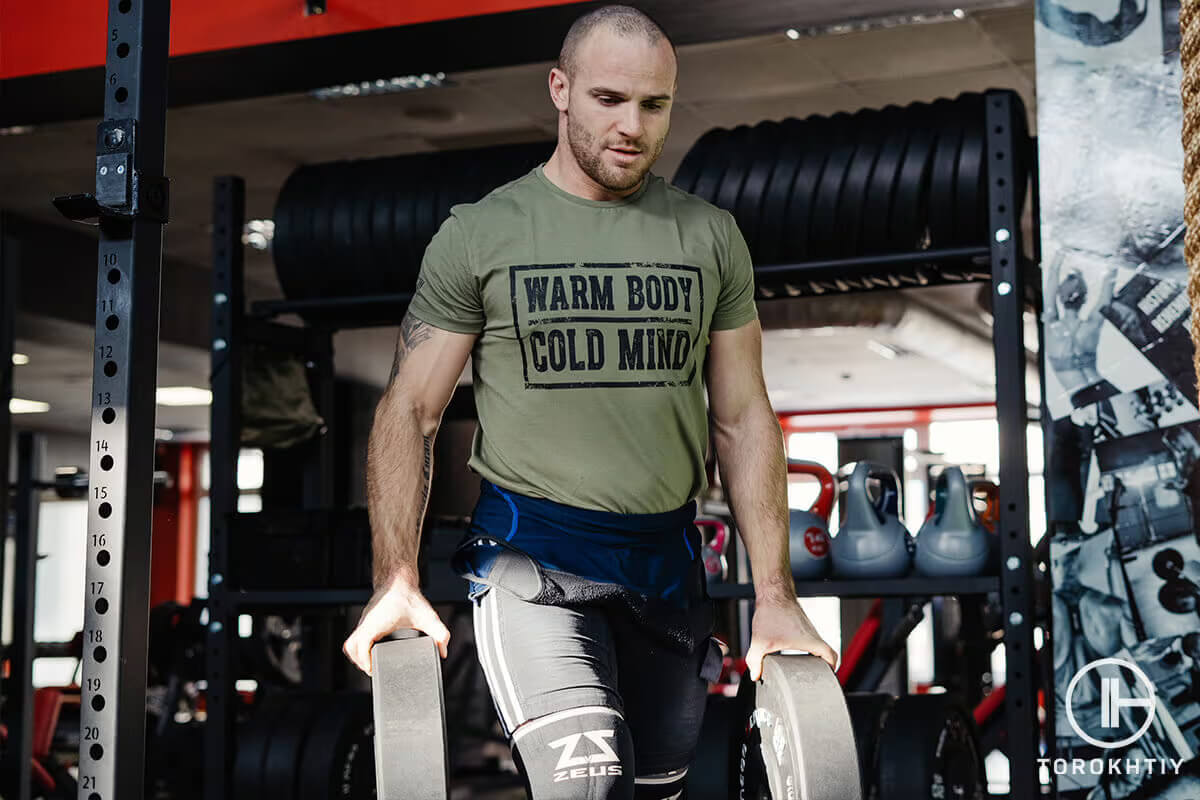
[(594, 299)]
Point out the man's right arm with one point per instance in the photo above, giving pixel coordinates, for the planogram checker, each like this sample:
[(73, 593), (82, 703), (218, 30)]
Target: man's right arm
[(425, 371)]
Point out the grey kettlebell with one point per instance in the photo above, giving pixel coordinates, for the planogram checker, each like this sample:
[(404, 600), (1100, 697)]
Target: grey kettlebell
[(872, 542), (952, 542), (808, 540)]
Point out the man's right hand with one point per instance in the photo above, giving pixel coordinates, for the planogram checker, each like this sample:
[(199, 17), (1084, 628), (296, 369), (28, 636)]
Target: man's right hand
[(397, 605)]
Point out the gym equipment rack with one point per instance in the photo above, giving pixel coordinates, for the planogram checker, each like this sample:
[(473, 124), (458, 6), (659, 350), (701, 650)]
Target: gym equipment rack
[(130, 206), (998, 260)]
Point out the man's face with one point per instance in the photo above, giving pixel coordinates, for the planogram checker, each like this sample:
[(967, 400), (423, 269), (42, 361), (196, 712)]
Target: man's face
[(619, 107)]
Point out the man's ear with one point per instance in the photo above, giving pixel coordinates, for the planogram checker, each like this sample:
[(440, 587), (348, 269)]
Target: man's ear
[(560, 88)]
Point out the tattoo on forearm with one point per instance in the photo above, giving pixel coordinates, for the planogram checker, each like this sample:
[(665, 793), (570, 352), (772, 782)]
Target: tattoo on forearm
[(413, 333), (427, 470)]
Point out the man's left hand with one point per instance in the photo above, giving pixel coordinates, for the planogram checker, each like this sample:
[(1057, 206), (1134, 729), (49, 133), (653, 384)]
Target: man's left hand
[(781, 624)]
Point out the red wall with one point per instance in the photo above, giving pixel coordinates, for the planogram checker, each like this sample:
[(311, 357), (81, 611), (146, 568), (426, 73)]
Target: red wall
[(38, 37)]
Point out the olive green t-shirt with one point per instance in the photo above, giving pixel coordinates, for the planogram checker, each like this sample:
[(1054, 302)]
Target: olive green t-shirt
[(593, 320)]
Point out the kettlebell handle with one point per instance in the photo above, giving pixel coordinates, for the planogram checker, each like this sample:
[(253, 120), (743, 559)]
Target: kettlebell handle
[(720, 530), (889, 502), (823, 507)]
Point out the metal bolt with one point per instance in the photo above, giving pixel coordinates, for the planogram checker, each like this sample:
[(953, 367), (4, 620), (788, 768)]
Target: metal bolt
[(1003, 288), (220, 298), (1003, 235), (120, 169), (220, 344), (1013, 562), (216, 579), (1015, 618), (216, 627), (104, 170)]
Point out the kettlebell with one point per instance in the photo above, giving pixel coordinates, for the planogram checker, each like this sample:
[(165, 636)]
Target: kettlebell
[(952, 542), (872, 542), (716, 567), (808, 539)]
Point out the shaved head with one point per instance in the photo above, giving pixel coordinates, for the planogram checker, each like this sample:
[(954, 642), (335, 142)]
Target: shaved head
[(621, 20)]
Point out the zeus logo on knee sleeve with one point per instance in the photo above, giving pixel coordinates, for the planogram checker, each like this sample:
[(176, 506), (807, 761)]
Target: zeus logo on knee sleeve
[(571, 766)]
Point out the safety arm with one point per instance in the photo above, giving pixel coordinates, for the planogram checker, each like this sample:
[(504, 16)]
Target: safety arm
[(425, 371), (750, 456)]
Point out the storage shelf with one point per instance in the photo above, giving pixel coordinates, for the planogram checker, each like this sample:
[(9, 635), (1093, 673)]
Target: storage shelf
[(888, 587)]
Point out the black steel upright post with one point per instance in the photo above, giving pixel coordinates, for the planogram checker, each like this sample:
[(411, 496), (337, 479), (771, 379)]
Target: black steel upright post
[(8, 314), (131, 204), (18, 712), (1016, 577), (229, 203)]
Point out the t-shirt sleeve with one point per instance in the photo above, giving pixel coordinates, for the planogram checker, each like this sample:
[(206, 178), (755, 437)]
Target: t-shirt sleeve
[(447, 294), (735, 301)]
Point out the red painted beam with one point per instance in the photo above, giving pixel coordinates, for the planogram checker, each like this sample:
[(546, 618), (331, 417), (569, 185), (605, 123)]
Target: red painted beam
[(37, 38)]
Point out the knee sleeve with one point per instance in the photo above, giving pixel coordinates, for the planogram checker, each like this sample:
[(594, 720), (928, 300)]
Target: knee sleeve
[(581, 753), (664, 786)]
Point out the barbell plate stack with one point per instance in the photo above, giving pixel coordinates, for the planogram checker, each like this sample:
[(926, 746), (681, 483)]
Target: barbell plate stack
[(868, 716), (410, 721)]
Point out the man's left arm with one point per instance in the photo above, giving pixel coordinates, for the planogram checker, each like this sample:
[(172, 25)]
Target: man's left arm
[(753, 469)]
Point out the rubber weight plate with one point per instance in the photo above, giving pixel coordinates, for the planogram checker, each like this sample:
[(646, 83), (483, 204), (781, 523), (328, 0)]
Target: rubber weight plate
[(383, 244), (289, 246), (285, 750), (793, 144), (871, 127), (341, 195), (708, 181), (410, 720), (403, 199), (812, 210), (908, 219), (693, 162), (868, 716), (942, 175), (253, 741), (928, 749), (366, 190), (763, 148), (970, 195), (882, 187), (737, 164), (799, 743), (338, 759)]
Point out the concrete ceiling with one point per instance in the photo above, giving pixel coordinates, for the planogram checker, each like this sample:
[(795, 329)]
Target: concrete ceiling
[(721, 84)]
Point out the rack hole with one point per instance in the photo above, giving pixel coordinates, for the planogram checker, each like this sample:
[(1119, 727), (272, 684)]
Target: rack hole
[(105, 510), (999, 156), (122, 94), (1000, 182), (106, 463), (1004, 262), (110, 368), (124, 6), (100, 653), (112, 322), (98, 703), (103, 557), (122, 50), (101, 606), (108, 415), (95, 796), (114, 276), (1002, 209), (97, 752), (999, 129)]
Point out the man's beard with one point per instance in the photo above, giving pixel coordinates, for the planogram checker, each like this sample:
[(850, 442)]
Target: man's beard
[(591, 160)]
